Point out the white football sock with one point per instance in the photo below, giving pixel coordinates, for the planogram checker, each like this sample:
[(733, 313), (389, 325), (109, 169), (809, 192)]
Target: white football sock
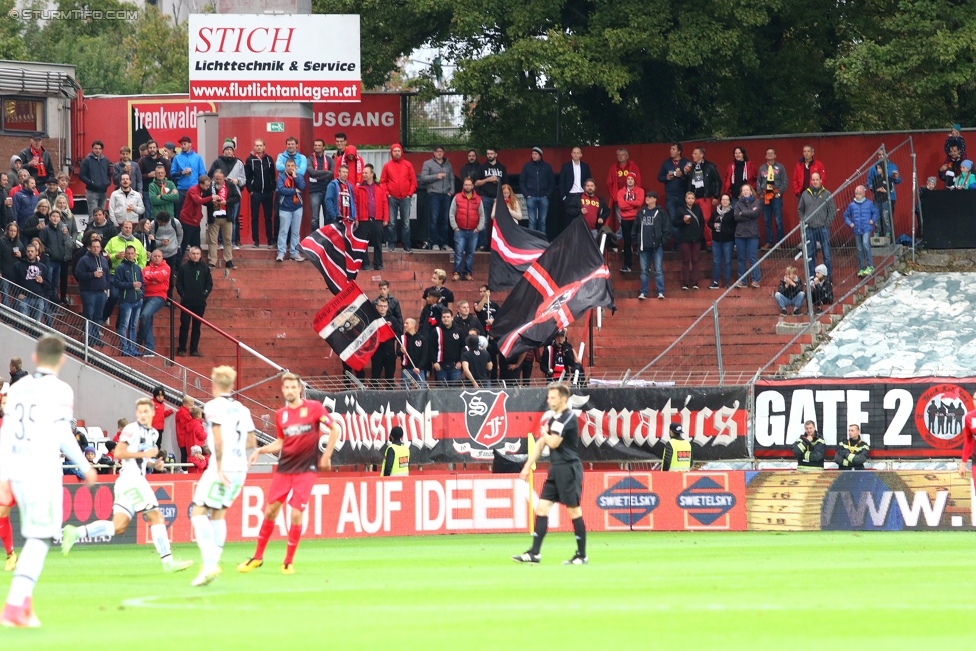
[(220, 536), (28, 571), (203, 530), (161, 540), (97, 529)]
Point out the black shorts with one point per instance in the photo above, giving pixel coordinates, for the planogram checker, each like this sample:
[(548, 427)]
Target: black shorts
[(564, 484)]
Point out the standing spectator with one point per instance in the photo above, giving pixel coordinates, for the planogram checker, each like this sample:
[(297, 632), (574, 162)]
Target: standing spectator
[(38, 220), (6, 202), (806, 166), (650, 231), (372, 215), (437, 176), (446, 343), (617, 179), (59, 245), (167, 154), (156, 277), (572, 176), (739, 173), (259, 172), (51, 190), (16, 368), (198, 435), (224, 197), (703, 179), (677, 456), (589, 206), (948, 172), (771, 184), (127, 281), (954, 139), (790, 292), (25, 203), (101, 226), (471, 168), (672, 175), (162, 193), (822, 289), (169, 240), (93, 275), (399, 181), (485, 308), (184, 432), (289, 201), (162, 411), (191, 215), (291, 153), (37, 160), (558, 358), (33, 289), (475, 363), (466, 319), (722, 224), (810, 449), (391, 301), (11, 251), (852, 453), (430, 315), (861, 216), (630, 199), (536, 181), (467, 217), (15, 166), (882, 179), (62, 206), (446, 295), (194, 284), (63, 180), (115, 247), (746, 214), (147, 170), (126, 202), (126, 165), (817, 209), (233, 169), (413, 355), (348, 156), (510, 200), (383, 362), (340, 142), (186, 167), (491, 176), (321, 170), (690, 224)]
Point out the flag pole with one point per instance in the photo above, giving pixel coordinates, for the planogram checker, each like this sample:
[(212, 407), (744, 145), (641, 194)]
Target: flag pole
[(531, 485), (599, 310)]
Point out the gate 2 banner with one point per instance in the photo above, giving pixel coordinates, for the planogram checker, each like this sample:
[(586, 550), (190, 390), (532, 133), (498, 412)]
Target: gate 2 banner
[(915, 417), (468, 425), (859, 501)]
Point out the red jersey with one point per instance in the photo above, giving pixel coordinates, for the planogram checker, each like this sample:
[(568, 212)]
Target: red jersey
[(968, 432), (300, 428)]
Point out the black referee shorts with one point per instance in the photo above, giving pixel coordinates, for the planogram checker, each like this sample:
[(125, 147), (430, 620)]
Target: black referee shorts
[(564, 484)]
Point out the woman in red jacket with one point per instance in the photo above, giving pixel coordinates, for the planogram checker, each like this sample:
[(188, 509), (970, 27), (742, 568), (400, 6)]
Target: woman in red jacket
[(162, 411), (155, 280), (184, 421), (630, 198)]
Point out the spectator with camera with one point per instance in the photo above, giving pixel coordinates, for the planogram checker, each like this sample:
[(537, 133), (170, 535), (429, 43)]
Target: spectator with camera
[(771, 184)]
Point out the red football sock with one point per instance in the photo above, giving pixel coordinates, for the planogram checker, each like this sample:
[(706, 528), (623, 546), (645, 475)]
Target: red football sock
[(267, 528), (294, 535), (7, 535)]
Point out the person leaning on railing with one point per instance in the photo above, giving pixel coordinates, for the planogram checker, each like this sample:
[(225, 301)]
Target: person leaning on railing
[(810, 449), (852, 453)]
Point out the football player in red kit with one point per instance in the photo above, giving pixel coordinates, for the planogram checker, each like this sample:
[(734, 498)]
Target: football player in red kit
[(301, 424), (7, 502), (968, 441)]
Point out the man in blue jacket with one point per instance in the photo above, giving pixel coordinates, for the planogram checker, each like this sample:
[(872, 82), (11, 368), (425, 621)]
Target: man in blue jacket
[(186, 168), (95, 172), (671, 175), (92, 273), (291, 184), (128, 283), (861, 216), (537, 181), (291, 153), (340, 197)]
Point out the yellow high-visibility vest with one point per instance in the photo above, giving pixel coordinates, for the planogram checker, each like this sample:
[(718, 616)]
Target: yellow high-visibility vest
[(401, 460), (680, 455)]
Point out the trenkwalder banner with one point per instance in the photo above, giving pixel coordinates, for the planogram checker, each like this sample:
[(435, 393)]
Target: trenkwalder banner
[(899, 418), (468, 425)]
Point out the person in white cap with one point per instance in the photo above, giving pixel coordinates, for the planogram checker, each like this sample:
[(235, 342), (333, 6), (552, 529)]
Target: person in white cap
[(821, 289)]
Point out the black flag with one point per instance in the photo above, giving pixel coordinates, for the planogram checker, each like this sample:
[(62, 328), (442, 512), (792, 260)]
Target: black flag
[(570, 278), (336, 252), (353, 327), (513, 249)]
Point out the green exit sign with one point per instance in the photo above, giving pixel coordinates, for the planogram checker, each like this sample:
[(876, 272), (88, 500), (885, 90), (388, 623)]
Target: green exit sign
[(276, 127)]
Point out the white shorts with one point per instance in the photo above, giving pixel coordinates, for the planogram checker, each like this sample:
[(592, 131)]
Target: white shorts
[(41, 507), (212, 493), (133, 494)]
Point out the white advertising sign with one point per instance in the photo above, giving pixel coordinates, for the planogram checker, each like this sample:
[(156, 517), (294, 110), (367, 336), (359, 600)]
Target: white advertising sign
[(274, 58)]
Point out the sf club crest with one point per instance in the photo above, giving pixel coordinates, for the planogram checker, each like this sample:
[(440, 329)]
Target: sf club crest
[(486, 422)]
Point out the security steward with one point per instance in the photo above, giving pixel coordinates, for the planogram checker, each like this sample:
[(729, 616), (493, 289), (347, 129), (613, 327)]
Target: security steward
[(396, 459), (852, 453), (810, 449), (677, 451)]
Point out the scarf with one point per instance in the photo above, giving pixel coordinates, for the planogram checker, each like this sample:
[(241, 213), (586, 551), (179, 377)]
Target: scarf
[(38, 157), (315, 161), (630, 195), (290, 183), (221, 205)]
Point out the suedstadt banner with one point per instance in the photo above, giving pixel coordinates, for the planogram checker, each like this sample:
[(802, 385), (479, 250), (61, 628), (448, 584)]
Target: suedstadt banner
[(899, 418), (468, 425), (274, 58)]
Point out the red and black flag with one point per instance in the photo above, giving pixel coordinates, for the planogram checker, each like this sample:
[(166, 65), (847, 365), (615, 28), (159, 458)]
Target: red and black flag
[(353, 327), (513, 249), (336, 252), (570, 278)]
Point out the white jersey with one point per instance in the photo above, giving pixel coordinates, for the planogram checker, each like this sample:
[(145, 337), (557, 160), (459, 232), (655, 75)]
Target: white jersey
[(138, 439), (235, 424), (37, 429)]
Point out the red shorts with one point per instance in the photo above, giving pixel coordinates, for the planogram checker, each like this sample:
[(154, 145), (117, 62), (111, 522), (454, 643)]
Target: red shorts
[(7, 495), (299, 485)]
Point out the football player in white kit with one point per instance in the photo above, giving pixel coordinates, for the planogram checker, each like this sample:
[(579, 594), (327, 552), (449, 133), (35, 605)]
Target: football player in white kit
[(230, 432), (36, 430), (133, 493)]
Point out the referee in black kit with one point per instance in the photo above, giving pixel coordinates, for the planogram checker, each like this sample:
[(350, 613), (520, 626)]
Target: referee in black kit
[(564, 483)]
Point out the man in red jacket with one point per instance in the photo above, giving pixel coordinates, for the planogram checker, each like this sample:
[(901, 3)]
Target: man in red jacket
[(183, 428), (804, 168), (630, 199), (372, 215), (155, 284), (350, 159), (192, 212), (161, 414), (617, 180), (467, 218), (399, 181)]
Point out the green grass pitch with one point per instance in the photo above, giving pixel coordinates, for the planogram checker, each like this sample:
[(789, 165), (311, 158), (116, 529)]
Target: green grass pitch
[(640, 591)]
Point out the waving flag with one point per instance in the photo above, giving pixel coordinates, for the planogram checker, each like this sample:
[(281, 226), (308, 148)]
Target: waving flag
[(336, 252), (566, 281), (352, 326), (513, 249)]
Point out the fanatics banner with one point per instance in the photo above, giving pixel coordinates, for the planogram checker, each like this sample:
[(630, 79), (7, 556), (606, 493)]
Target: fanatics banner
[(899, 418), (466, 425)]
